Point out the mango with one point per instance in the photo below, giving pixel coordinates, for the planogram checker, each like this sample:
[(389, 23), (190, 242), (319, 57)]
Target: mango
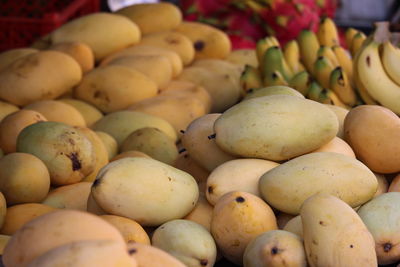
[(73, 196), (287, 186), (337, 145), (6, 109), (81, 52), (334, 235), (202, 212), (9, 56), (89, 112), (109, 142), (272, 90), (340, 113), (130, 153), (290, 126), (243, 57)]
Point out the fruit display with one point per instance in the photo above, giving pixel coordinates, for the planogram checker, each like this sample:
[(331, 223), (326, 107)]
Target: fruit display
[(134, 139)]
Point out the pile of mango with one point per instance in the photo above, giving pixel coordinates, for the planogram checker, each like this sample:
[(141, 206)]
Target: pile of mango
[(128, 139)]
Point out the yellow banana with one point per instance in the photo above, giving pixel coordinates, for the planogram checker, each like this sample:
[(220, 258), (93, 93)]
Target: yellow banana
[(349, 35), (273, 60), (327, 52), (373, 76), (357, 42), (327, 32), (250, 79), (301, 82), (391, 61), (322, 71), (339, 83), (273, 40), (345, 61), (360, 88), (323, 95), (291, 53), (262, 46), (309, 45), (274, 78)]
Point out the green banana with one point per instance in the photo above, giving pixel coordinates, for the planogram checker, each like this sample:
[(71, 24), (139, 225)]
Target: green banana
[(309, 45), (273, 60), (322, 71), (301, 82), (274, 78)]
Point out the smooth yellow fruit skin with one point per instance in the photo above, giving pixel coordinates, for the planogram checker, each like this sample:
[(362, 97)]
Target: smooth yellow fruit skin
[(73, 196), (89, 112)]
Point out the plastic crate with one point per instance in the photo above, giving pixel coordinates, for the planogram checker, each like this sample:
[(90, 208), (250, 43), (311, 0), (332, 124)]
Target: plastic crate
[(24, 21)]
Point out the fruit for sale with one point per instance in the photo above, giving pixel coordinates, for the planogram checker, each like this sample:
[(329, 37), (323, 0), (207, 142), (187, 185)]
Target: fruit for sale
[(391, 61), (202, 212), (208, 41), (158, 68), (152, 17), (187, 164), (357, 43), (282, 219), (290, 126), (153, 143), (186, 240), (113, 88), (327, 52), (39, 76), (370, 131), (243, 57), (24, 178), (295, 226), (288, 185), (129, 229), (89, 112), (381, 215), (12, 125), (81, 52), (174, 41), (122, 123), (55, 110), (237, 175), (3, 209), (274, 78), (383, 185), (327, 32), (9, 56), (341, 115), (273, 60), (383, 90), (101, 253), (275, 248), (349, 35), (53, 230), (340, 84), (94, 29), (93, 207), (129, 154), (20, 214), (150, 256), (291, 53), (301, 82), (262, 46), (272, 90), (334, 235), (250, 79), (3, 242), (73, 196), (109, 142), (66, 152), (238, 218), (322, 71), (150, 192), (6, 109), (179, 108), (148, 50), (337, 145), (323, 95), (224, 90), (345, 61), (198, 141), (309, 45)]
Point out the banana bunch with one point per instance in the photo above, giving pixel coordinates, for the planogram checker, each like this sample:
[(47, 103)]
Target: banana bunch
[(377, 69), (315, 64)]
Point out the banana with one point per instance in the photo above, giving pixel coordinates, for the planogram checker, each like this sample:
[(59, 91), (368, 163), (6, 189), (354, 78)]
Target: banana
[(345, 61), (309, 45), (273, 60), (323, 95), (327, 32), (262, 46), (339, 83), (349, 35), (274, 78), (327, 52), (322, 71), (357, 42), (291, 53), (250, 79), (301, 82), (391, 61), (373, 76)]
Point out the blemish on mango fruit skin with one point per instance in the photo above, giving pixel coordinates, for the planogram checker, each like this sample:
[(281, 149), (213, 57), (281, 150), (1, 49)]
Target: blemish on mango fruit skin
[(203, 262), (199, 45), (76, 163), (240, 199), (132, 251), (387, 247)]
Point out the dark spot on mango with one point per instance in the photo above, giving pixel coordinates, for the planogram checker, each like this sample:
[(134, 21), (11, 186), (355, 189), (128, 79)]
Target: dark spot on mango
[(387, 247), (203, 262), (274, 250), (76, 163), (210, 189), (132, 250), (322, 223), (199, 45), (240, 199), (212, 136), (182, 150), (182, 131), (351, 246), (96, 182), (368, 61), (71, 141)]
